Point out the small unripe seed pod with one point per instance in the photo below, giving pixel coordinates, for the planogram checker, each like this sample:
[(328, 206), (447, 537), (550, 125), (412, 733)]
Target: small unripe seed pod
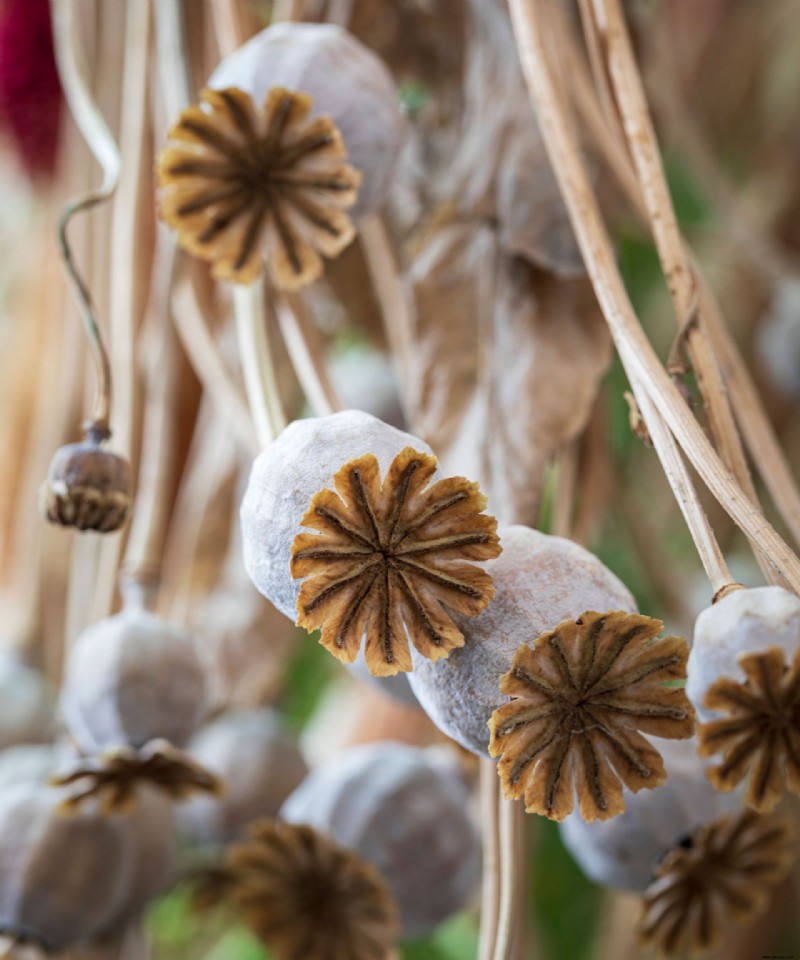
[(742, 622), (622, 852), (88, 487), (540, 580), (284, 478), (40, 846), (404, 814), (131, 679), (260, 765), (346, 81)]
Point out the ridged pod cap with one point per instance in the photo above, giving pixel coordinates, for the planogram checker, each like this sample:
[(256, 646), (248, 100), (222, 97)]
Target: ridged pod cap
[(260, 765), (130, 679), (539, 580), (301, 462), (743, 621), (404, 814), (622, 852), (40, 848), (346, 81)]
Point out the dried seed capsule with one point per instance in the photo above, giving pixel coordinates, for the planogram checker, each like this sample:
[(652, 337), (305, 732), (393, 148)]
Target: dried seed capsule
[(539, 581), (88, 488), (384, 560), (744, 680), (345, 80), (40, 848), (260, 765), (26, 714), (405, 815), (622, 852), (131, 679)]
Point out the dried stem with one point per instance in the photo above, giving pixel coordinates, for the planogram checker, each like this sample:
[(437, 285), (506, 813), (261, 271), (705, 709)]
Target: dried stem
[(257, 363), (307, 354), (490, 805), (635, 350), (512, 860), (98, 137)]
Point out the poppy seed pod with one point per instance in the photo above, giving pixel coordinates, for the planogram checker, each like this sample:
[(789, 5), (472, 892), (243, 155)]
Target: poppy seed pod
[(260, 765), (151, 821), (131, 679), (742, 622), (26, 714), (285, 477), (88, 487), (622, 852), (539, 580), (406, 816), (346, 82), (39, 847)]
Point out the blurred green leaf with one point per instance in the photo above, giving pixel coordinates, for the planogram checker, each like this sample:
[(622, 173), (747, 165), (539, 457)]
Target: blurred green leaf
[(309, 673)]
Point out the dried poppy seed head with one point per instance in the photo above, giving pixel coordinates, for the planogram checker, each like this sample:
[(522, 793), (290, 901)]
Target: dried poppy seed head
[(39, 847), (284, 478), (346, 82), (721, 876), (245, 180), (404, 812), (623, 851), (26, 703), (386, 561), (88, 487), (744, 676), (258, 761), (539, 581), (131, 679), (583, 695), (305, 896)]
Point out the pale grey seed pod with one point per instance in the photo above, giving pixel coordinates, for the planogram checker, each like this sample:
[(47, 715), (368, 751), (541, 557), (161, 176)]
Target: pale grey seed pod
[(778, 338), (623, 851), (346, 81), (301, 462), (743, 621), (63, 877), (26, 703), (130, 679), (539, 581), (259, 763), (404, 814), (31, 762)]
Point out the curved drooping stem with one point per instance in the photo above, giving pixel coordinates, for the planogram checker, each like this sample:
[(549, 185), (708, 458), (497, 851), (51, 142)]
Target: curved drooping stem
[(635, 351), (98, 137)]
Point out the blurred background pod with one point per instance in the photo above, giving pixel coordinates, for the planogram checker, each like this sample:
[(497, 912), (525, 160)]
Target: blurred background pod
[(26, 702), (132, 678), (346, 80), (404, 813), (744, 621), (623, 851), (40, 847), (284, 478), (539, 580), (260, 764)]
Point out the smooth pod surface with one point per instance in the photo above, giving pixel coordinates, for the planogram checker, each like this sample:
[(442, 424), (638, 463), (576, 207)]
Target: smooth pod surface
[(26, 703), (539, 581), (744, 621), (284, 478), (346, 81), (130, 679), (405, 814)]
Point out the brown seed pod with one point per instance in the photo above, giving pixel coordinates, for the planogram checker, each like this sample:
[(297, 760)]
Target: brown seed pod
[(260, 765), (744, 678), (583, 694), (40, 848), (346, 82), (721, 875), (305, 896), (131, 679), (539, 581), (88, 487), (622, 852), (243, 180), (406, 814)]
